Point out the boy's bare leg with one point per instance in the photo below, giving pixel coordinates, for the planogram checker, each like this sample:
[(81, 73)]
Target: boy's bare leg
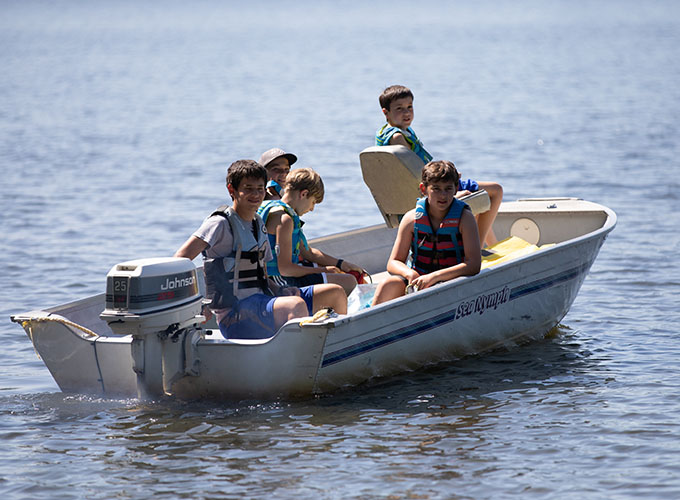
[(330, 295), (346, 281), (287, 308), (389, 289), (486, 219)]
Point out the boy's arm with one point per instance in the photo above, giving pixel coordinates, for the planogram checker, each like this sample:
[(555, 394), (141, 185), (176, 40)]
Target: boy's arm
[(191, 248), (323, 259), (284, 239), (473, 256), (402, 244), (398, 138)]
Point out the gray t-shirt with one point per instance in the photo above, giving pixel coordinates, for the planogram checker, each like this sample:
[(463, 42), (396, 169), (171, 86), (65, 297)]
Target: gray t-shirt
[(216, 232)]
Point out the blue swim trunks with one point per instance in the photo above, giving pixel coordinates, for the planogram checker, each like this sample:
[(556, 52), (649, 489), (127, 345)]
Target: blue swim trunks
[(307, 293), (253, 317)]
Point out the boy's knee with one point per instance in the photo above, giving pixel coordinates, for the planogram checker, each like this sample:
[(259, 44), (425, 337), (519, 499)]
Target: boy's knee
[(390, 288), (395, 282), (348, 281), (394, 285), (299, 308), (293, 307), (333, 292), (330, 295), (339, 299)]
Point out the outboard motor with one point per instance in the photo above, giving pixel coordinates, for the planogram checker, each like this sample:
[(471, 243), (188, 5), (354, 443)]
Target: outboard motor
[(157, 301)]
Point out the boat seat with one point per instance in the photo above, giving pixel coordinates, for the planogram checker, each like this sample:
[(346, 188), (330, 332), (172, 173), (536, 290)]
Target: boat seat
[(393, 173), (499, 253), (508, 249)]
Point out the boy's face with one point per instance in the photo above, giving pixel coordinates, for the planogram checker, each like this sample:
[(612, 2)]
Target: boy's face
[(249, 194), (439, 194), (400, 113), (301, 201), (306, 203), (278, 169)]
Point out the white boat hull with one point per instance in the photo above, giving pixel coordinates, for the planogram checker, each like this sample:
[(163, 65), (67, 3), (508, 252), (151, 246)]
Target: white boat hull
[(506, 304)]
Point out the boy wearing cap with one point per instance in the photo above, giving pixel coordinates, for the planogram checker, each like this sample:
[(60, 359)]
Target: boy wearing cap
[(235, 248), (396, 102), (278, 163)]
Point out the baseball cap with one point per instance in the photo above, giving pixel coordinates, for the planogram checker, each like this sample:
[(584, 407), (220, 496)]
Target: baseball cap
[(272, 154)]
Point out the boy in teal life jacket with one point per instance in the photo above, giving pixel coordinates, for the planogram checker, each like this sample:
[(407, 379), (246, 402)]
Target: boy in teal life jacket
[(397, 106), (440, 234), (303, 190), (278, 163), (235, 248)]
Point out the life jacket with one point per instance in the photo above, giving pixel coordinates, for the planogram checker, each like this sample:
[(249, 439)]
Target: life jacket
[(384, 134), (432, 250), (298, 240), (277, 187), (240, 274)]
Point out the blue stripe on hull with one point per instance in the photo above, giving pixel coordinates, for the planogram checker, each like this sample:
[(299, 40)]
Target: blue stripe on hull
[(449, 316)]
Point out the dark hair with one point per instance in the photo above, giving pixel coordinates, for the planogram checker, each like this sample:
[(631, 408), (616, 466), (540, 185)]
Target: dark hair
[(306, 178), (440, 171), (391, 94), (242, 169)]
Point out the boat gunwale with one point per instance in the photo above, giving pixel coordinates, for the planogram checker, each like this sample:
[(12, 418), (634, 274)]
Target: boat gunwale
[(607, 227)]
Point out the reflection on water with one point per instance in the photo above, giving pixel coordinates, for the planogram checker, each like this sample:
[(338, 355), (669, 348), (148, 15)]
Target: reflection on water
[(436, 417)]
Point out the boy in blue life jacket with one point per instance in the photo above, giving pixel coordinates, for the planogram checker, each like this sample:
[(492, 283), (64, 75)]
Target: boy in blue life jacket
[(235, 248), (303, 190), (278, 163), (440, 234), (396, 102)]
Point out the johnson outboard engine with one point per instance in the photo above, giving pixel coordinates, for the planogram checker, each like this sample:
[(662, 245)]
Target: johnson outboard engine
[(157, 301)]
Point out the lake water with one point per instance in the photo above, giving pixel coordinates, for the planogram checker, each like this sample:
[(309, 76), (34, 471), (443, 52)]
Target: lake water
[(117, 123)]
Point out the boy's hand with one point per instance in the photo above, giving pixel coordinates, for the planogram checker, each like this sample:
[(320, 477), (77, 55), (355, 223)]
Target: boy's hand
[(206, 312), (412, 275), (425, 281), (462, 193)]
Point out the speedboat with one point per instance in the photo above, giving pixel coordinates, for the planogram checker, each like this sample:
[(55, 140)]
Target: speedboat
[(145, 336)]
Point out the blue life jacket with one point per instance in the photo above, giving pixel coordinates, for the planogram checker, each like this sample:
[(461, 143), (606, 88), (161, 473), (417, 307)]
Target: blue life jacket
[(240, 274), (384, 134), (277, 187), (298, 237), (437, 249)]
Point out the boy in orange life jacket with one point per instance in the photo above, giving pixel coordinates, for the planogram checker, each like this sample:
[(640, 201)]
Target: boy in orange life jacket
[(440, 233), (397, 106)]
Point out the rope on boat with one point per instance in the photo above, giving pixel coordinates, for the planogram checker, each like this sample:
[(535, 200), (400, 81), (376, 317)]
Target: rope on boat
[(63, 321)]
